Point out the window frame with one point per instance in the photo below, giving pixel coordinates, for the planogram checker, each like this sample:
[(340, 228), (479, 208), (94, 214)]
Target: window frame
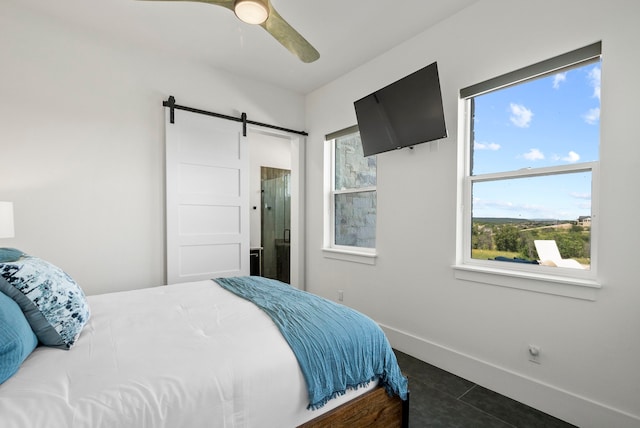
[(567, 282), (330, 249)]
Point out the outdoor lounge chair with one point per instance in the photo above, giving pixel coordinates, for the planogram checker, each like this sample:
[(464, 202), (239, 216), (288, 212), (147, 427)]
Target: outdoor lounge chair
[(550, 255)]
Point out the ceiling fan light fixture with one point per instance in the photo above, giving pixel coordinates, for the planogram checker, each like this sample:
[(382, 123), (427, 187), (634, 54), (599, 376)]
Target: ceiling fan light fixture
[(251, 11)]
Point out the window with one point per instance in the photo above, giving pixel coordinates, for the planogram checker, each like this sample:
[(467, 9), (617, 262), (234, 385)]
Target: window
[(532, 153), (352, 195)]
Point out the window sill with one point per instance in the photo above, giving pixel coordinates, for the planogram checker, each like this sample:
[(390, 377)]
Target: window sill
[(577, 288), (350, 256)]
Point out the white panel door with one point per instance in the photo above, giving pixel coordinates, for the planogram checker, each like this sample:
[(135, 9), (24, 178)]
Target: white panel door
[(207, 197)]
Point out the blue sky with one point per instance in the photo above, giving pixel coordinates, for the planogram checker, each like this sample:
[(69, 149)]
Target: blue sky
[(549, 121)]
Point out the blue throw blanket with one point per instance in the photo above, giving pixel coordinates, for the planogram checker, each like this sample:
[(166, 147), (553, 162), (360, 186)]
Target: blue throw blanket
[(337, 347)]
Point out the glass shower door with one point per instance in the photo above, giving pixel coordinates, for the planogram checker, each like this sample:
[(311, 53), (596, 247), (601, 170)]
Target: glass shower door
[(276, 223)]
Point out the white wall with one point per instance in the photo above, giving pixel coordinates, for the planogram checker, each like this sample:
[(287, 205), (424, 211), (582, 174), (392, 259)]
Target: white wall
[(82, 144), (589, 373)]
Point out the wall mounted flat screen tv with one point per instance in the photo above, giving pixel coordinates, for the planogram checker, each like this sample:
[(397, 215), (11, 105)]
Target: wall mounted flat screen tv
[(402, 114)]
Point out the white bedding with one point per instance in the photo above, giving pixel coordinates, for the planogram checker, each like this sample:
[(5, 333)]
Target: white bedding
[(186, 355)]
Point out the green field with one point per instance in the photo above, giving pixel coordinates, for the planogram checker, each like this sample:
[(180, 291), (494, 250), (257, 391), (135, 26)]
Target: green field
[(513, 238), (490, 254)]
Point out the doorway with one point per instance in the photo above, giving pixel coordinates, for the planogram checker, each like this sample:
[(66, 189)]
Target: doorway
[(225, 257), (276, 223), (284, 152)]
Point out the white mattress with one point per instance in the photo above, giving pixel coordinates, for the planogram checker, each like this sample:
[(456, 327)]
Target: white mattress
[(186, 355)]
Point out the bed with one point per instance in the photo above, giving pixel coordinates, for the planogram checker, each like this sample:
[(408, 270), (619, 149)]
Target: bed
[(194, 354)]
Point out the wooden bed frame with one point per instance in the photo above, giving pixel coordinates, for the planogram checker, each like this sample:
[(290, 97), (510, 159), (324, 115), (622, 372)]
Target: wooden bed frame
[(374, 409)]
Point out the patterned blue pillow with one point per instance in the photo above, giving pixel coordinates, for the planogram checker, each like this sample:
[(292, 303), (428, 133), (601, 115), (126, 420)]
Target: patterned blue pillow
[(10, 255), (51, 300), (17, 340)]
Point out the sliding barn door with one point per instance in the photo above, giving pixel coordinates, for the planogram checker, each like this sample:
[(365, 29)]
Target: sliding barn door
[(207, 184)]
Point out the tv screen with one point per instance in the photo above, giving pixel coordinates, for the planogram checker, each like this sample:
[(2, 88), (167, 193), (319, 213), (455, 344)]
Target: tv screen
[(402, 114)]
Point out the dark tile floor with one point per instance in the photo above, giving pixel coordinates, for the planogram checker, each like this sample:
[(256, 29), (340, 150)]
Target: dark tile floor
[(440, 399)]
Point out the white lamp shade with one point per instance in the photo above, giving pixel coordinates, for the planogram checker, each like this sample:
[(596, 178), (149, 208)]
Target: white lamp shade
[(251, 11), (6, 220)]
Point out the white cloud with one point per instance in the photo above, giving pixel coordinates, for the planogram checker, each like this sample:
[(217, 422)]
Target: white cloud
[(592, 116), (572, 157), (505, 208), (559, 78), (577, 195), (533, 155), (493, 204), (520, 115), (477, 145), (594, 80)]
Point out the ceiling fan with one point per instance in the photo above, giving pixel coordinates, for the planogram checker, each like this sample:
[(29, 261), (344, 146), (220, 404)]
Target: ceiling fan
[(261, 12)]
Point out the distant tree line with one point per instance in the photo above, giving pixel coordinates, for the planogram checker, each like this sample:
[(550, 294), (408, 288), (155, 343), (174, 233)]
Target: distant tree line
[(517, 237)]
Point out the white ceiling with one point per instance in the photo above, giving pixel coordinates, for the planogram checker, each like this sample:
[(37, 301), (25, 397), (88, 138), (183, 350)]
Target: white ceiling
[(347, 33)]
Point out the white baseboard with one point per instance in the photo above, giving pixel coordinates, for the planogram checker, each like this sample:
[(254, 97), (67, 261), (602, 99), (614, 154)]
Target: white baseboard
[(569, 407)]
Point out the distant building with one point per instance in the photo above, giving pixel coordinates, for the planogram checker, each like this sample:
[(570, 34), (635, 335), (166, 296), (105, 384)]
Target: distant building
[(584, 220)]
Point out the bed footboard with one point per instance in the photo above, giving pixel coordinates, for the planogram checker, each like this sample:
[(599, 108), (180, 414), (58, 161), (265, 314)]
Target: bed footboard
[(374, 409)]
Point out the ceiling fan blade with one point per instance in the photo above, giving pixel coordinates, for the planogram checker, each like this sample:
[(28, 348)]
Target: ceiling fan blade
[(224, 3), (289, 37), (277, 27)]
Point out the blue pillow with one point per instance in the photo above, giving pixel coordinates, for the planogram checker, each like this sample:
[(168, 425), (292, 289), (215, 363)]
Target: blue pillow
[(17, 340), (51, 300), (10, 255)]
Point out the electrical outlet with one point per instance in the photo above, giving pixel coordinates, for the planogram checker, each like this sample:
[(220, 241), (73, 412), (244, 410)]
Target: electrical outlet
[(340, 295), (534, 353)]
